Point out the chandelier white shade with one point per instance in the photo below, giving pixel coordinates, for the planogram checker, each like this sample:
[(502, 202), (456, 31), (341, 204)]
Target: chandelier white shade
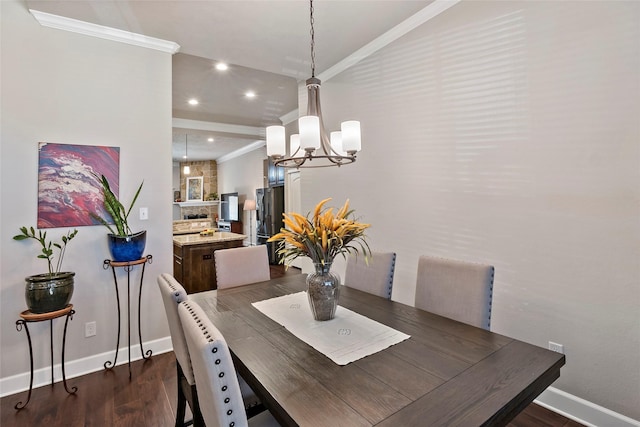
[(313, 147), (275, 141)]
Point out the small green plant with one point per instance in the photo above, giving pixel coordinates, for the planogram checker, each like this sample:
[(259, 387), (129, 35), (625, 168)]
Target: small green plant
[(47, 249), (116, 210)]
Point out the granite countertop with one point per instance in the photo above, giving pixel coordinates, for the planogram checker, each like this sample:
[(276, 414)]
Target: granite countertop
[(197, 239)]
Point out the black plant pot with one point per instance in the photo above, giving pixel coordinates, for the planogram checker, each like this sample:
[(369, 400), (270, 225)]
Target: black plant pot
[(45, 293), (127, 248)]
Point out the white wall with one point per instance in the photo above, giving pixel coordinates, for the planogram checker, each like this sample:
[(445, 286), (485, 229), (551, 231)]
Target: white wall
[(508, 133), (63, 87), (244, 174)]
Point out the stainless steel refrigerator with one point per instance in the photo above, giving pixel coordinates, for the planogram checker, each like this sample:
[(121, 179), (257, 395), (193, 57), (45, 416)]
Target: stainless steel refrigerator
[(269, 209)]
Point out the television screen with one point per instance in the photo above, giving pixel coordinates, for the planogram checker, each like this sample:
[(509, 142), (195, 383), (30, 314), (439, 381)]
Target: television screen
[(229, 207)]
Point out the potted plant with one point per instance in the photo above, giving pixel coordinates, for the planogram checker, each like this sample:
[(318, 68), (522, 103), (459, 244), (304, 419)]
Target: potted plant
[(322, 238), (50, 291), (124, 245)]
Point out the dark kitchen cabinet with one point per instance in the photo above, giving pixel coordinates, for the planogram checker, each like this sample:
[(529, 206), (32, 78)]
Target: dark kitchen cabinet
[(194, 265), (274, 174)]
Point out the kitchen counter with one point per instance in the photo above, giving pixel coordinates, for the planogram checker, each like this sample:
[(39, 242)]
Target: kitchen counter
[(197, 239), (194, 260)]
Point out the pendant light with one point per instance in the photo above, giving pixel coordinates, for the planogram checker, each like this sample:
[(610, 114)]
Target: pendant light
[(186, 170), (312, 148)]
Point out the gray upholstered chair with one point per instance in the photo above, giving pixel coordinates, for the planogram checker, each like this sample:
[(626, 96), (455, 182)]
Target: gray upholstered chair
[(458, 290), (172, 295), (376, 277), (218, 388), (241, 266)]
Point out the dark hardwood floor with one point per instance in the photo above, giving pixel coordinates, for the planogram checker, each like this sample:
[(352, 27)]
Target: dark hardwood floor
[(109, 398)]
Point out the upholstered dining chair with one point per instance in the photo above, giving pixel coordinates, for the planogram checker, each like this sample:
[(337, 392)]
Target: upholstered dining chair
[(218, 388), (241, 266), (375, 277), (172, 295), (455, 289)]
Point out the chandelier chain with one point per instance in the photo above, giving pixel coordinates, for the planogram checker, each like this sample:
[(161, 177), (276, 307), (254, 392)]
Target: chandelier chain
[(313, 41)]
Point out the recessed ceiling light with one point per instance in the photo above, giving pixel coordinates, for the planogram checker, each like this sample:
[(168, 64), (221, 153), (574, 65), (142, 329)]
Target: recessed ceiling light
[(193, 101), (250, 94), (210, 139), (221, 66)]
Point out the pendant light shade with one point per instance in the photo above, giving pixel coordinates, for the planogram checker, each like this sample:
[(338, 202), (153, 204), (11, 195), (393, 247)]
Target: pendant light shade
[(186, 170)]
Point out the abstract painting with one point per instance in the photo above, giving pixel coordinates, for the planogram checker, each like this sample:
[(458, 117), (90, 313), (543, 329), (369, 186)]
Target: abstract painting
[(68, 190)]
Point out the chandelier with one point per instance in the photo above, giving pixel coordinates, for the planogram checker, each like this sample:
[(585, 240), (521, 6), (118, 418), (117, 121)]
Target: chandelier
[(312, 147)]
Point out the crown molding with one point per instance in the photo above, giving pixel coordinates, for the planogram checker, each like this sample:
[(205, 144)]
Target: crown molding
[(429, 12), (289, 117), (239, 152), (218, 127), (102, 32), (434, 9)]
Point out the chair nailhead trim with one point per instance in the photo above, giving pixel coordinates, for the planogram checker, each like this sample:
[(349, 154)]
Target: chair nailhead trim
[(214, 350), (221, 374), (227, 400), (229, 412), (224, 388), (232, 424), (217, 361)]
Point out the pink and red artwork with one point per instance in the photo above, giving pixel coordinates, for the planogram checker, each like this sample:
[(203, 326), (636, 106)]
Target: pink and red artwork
[(67, 187)]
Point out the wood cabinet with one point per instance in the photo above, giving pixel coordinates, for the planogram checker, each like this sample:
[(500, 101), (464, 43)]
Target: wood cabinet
[(194, 265), (274, 174)]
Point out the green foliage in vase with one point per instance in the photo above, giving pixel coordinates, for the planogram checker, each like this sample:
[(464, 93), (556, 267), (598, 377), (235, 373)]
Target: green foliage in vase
[(48, 246), (116, 210)]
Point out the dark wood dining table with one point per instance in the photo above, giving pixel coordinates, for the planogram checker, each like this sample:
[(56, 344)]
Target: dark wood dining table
[(447, 374)]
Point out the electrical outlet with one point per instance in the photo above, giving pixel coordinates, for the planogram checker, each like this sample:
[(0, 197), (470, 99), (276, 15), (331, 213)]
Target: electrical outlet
[(89, 329), (144, 214), (554, 346)]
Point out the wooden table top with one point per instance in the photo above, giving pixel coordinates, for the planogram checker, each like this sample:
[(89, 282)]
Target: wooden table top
[(448, 373)]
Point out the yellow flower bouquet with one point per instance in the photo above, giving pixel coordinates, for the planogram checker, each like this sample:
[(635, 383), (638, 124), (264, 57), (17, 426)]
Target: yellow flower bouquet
[(322, 237)]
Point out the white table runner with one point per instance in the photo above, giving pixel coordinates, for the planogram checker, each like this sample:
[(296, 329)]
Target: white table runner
[(346, 338)]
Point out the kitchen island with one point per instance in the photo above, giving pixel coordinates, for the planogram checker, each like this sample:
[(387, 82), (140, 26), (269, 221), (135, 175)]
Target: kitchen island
[(193, 260)]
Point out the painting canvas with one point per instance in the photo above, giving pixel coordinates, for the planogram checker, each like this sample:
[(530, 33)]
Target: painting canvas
[(194, 189), (68, 190)]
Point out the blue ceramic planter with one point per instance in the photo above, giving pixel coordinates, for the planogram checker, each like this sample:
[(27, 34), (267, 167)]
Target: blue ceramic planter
[(127, 248)]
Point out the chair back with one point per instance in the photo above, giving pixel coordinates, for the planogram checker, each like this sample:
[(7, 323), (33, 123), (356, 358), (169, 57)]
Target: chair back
[(218, 390), (172, 295), (455, 289), (241, 266), (376, 277)]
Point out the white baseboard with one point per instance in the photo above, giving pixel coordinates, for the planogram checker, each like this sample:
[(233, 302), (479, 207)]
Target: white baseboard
[(78, 367), (582, 411)]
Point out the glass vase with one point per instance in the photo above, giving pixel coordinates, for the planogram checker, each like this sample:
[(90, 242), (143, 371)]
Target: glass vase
[(323, 291)]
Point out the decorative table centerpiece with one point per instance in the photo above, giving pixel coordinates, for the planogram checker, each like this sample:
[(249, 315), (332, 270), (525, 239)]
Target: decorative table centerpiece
[(322, 238)]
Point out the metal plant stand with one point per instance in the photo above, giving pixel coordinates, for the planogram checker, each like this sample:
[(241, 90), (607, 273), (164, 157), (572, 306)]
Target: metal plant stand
[(128, 266), (29, 317)]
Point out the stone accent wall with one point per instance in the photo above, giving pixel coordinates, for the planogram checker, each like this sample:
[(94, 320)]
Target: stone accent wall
[(208, 169)]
